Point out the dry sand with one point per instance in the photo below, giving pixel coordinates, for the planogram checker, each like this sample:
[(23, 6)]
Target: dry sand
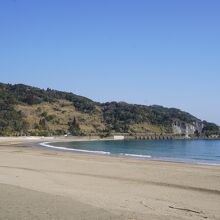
[(41, 184)]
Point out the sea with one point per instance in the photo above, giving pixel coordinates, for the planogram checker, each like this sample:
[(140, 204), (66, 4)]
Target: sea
[(187, 151)]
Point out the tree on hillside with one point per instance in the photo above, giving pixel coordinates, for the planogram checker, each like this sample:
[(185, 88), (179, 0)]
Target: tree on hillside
[(42, 124), (74, 127)]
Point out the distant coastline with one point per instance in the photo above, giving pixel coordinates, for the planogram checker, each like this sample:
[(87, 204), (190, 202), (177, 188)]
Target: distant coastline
[(31, 111)]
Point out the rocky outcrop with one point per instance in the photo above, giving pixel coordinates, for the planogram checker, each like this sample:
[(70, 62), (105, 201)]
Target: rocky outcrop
[(183, 128)]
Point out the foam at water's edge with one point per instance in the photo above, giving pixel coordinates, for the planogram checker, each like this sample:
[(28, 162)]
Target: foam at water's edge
[(136, 155), (46, 144)]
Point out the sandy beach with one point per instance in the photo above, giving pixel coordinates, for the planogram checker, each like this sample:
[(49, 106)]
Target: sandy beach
[(36, 183)]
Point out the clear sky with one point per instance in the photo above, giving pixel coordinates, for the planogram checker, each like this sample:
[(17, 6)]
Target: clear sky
[(163, 52)]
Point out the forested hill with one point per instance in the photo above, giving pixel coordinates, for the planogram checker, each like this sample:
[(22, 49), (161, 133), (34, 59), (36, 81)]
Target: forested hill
[(26, 110)]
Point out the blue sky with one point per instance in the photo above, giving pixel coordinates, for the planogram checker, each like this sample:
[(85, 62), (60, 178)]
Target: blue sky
[(139, 51)]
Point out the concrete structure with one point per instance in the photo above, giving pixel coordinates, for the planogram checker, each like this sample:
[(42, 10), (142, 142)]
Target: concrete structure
[(119, 137)]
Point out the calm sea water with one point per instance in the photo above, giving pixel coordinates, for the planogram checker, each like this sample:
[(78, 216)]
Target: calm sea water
[(192, 151)]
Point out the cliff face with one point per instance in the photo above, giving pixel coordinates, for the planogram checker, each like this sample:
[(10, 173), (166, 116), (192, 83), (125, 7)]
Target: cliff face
[(183, 128)]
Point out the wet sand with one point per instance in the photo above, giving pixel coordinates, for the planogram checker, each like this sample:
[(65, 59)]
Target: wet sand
[(42, 184)]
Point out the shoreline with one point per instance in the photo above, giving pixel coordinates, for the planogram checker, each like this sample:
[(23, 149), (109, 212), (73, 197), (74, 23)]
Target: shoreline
[(91, 138), (45, 143)]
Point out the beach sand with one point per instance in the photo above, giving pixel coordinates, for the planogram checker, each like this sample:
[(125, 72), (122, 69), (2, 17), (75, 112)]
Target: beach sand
[(37, 183)]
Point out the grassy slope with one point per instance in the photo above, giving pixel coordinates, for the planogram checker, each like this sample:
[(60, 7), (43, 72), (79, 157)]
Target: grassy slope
[(58, 114)]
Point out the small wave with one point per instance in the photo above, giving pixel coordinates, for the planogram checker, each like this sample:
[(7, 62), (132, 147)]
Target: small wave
[(136, 155), (46, 144), (210, 164)]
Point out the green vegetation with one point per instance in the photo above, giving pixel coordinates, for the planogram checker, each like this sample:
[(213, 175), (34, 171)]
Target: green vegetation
[(74, 128), (11, 121), (119, 116), (20, 93), (210, 129), (33, 111)]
